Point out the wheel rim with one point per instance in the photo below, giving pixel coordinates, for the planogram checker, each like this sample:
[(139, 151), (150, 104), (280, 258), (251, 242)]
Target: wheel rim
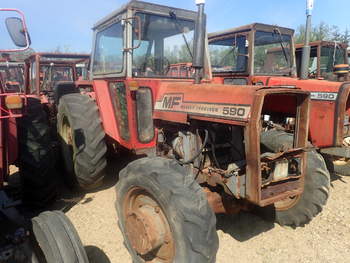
[(287, 203), (147, 227), (67, 144)]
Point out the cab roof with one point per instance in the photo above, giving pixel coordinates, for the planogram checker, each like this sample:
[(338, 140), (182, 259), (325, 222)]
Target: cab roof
[(149, 8), (323, 43), (250, 27)]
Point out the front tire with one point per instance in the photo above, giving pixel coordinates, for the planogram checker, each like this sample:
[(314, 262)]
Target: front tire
[(57, 238), (300, 210), (82, 140), (164, 214)]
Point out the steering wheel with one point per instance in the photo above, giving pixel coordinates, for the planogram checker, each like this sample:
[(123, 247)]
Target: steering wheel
[(150, 65)]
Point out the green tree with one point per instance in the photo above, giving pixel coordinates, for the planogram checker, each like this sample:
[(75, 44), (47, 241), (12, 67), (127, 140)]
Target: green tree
[(323, 31)]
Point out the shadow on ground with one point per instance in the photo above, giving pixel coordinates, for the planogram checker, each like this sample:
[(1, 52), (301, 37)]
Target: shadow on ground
[(96, 255), (69, 197), (244, 226)]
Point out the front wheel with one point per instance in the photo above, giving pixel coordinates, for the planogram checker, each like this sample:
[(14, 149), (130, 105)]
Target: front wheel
[(164, 214), (82, 141), (57, 238), (300, 210)]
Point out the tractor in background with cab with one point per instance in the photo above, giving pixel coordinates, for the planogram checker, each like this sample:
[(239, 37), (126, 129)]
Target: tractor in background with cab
[(260, 54), (328, 60)]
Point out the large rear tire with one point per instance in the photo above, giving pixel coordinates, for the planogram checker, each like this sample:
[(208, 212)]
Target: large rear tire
[(58, 239), (299, 210), (82, 140), (164, 214), (36, 157)]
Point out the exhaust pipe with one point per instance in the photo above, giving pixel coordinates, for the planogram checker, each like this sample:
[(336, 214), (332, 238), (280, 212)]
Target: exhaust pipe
[(304, 70), (199, 43)]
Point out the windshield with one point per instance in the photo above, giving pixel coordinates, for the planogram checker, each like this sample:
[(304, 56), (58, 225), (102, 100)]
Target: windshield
[(54, 73), (166, 41), (331, 56), (12, 77), (272, 54), (229, 55)]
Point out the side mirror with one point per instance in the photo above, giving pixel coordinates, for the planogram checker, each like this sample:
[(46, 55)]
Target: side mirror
[(17, 31), (17, 39)]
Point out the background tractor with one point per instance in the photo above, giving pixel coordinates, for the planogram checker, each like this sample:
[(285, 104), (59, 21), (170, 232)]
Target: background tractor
[(328, 60), (202, 147), (23, 139), (49, 76), (260, 54)]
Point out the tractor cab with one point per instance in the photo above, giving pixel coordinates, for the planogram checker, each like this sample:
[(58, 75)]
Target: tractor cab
[(143, 40), (252, 50), (328, 60), (12, 74), (45, 70)]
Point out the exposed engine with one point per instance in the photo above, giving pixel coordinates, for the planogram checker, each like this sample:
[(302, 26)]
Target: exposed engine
[(217, 154)]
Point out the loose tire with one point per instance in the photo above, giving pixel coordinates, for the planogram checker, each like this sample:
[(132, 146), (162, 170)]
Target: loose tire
[(300, 210), (164, 214), (36, 157), (58, 239), (342, 169), (82, 140)]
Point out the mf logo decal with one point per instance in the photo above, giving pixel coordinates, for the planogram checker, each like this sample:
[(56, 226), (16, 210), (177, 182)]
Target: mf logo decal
[(176, 103), (324, 96)]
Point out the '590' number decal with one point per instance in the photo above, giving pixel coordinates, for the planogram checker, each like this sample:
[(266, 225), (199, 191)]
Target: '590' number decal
[(324, 96), (234, 111)]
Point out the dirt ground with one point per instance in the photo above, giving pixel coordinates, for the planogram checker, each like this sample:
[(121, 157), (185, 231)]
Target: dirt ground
[(243, 238)]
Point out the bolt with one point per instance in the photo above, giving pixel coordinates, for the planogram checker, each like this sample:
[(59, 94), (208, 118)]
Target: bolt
[(157, 209)]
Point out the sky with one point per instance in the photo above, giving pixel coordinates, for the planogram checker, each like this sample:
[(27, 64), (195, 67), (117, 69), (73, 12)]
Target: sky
[(67, 23)]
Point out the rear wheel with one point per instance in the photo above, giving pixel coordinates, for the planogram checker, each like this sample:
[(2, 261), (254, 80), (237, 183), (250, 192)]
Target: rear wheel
[(299, 210), (164, 214), (36, 157), (82, 140), (58, 239)]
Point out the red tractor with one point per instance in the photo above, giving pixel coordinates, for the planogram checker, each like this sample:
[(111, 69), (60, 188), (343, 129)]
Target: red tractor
[(203, 148), (328, 60), (12, 74), (261, 54), (45, 72), (180, 70), (23, 139)]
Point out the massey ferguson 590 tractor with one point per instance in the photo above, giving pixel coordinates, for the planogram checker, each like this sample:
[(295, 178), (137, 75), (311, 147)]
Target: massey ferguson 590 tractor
[(328, 60), (261, 54), (49, 237), (203, 148)]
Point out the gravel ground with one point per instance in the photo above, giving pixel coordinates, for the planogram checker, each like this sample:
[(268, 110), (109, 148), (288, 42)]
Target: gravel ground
[(243, 238)]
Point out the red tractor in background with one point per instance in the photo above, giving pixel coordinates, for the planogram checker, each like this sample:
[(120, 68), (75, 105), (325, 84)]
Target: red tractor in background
[(23, 136), (328, 60), (12, 74), (45, 71), (203, 148), (261, 54), (181, 70)]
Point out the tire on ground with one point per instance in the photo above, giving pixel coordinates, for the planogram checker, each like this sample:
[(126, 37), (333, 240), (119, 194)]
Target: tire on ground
[(317, 182), (82, 140), (182, 201), (36, 158), (57, 238), (342, 169)]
